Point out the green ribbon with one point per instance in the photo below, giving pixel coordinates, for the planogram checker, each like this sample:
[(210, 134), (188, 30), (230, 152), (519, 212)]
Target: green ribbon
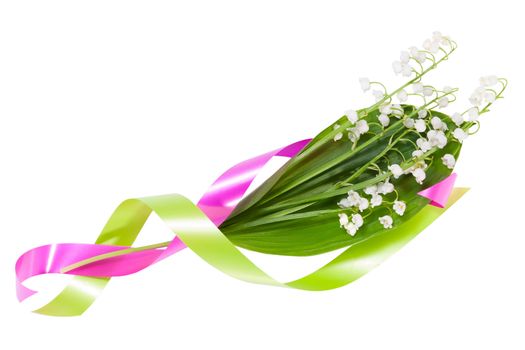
[(194, 228)]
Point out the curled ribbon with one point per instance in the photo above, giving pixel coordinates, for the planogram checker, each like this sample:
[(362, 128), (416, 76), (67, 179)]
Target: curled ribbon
[(196, 228)]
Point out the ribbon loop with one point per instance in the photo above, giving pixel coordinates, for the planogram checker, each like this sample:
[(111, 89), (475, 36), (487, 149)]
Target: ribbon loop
[(195, 226)]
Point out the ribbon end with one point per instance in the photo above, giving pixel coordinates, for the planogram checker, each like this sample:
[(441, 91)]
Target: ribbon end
[(440, 192)]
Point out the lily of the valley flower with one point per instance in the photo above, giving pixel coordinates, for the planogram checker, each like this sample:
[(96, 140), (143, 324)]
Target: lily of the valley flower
[(384, 120), (353, 134), (423, 144), (437, 138), (443, 102), (438, 124), (477, 96), (376, 200), (420, 125), (397, 111), (489, 96), (431, 127), (402, 96), (385, 109), (386, 221), (371, 190), (343, 219), (418, 55), (489, 80), (351, 228), (399, 207), (459, 134), (378, 94), (402, 68), (408, 123), (417, 88), (357, 219), (419, 175), (344, 203), (353, 197), (363, 204), (449, 161), (396, 170), (404, 57), (365, 84), (418, 153), (428, 91), (473, 114), (362, 126), (457, 118), (351, 115), (385, 187)]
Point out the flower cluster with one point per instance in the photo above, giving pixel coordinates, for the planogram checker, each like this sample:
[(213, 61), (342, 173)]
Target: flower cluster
[(356, 204), (429, 131)]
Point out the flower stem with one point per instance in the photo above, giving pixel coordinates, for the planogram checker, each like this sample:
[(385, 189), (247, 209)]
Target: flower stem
[(364, 112), (348, 154)]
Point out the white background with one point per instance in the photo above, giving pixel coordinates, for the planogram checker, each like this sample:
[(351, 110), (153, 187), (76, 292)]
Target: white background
[(104, 100)]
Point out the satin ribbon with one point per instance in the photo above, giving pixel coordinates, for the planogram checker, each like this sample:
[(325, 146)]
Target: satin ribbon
[(196, 228)]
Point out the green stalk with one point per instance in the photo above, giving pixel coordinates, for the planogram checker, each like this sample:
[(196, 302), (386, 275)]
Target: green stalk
[(309, 199), (350, 153), (345, 124)]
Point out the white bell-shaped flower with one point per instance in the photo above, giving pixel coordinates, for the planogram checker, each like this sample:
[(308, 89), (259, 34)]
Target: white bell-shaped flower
[(402, 96), (419, 175), (376, 200), (351, 228), (384, 120), (404, 57), (396, 170), (371, 190), (385, 187), (357, 219), (420, 125), (353, 198), (351, 115), (343, 219), (437, 123), (386, 221), (408, 123), (365, 84), (399, 207), (443, 102), (437, 138), (449, 161), (423, 144), (460, 134), (363, 204), (417, 88), (457, 118), (362, 126), (473, 114)]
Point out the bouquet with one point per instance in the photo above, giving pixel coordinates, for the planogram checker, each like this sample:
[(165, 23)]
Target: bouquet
[(361, 175), (364, 182)]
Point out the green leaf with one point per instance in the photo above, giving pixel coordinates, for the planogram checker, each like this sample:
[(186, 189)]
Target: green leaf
[(295, 211)]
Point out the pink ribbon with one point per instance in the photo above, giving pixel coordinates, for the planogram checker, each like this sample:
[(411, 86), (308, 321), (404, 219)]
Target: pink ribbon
[(217, 203), (439, 193)]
